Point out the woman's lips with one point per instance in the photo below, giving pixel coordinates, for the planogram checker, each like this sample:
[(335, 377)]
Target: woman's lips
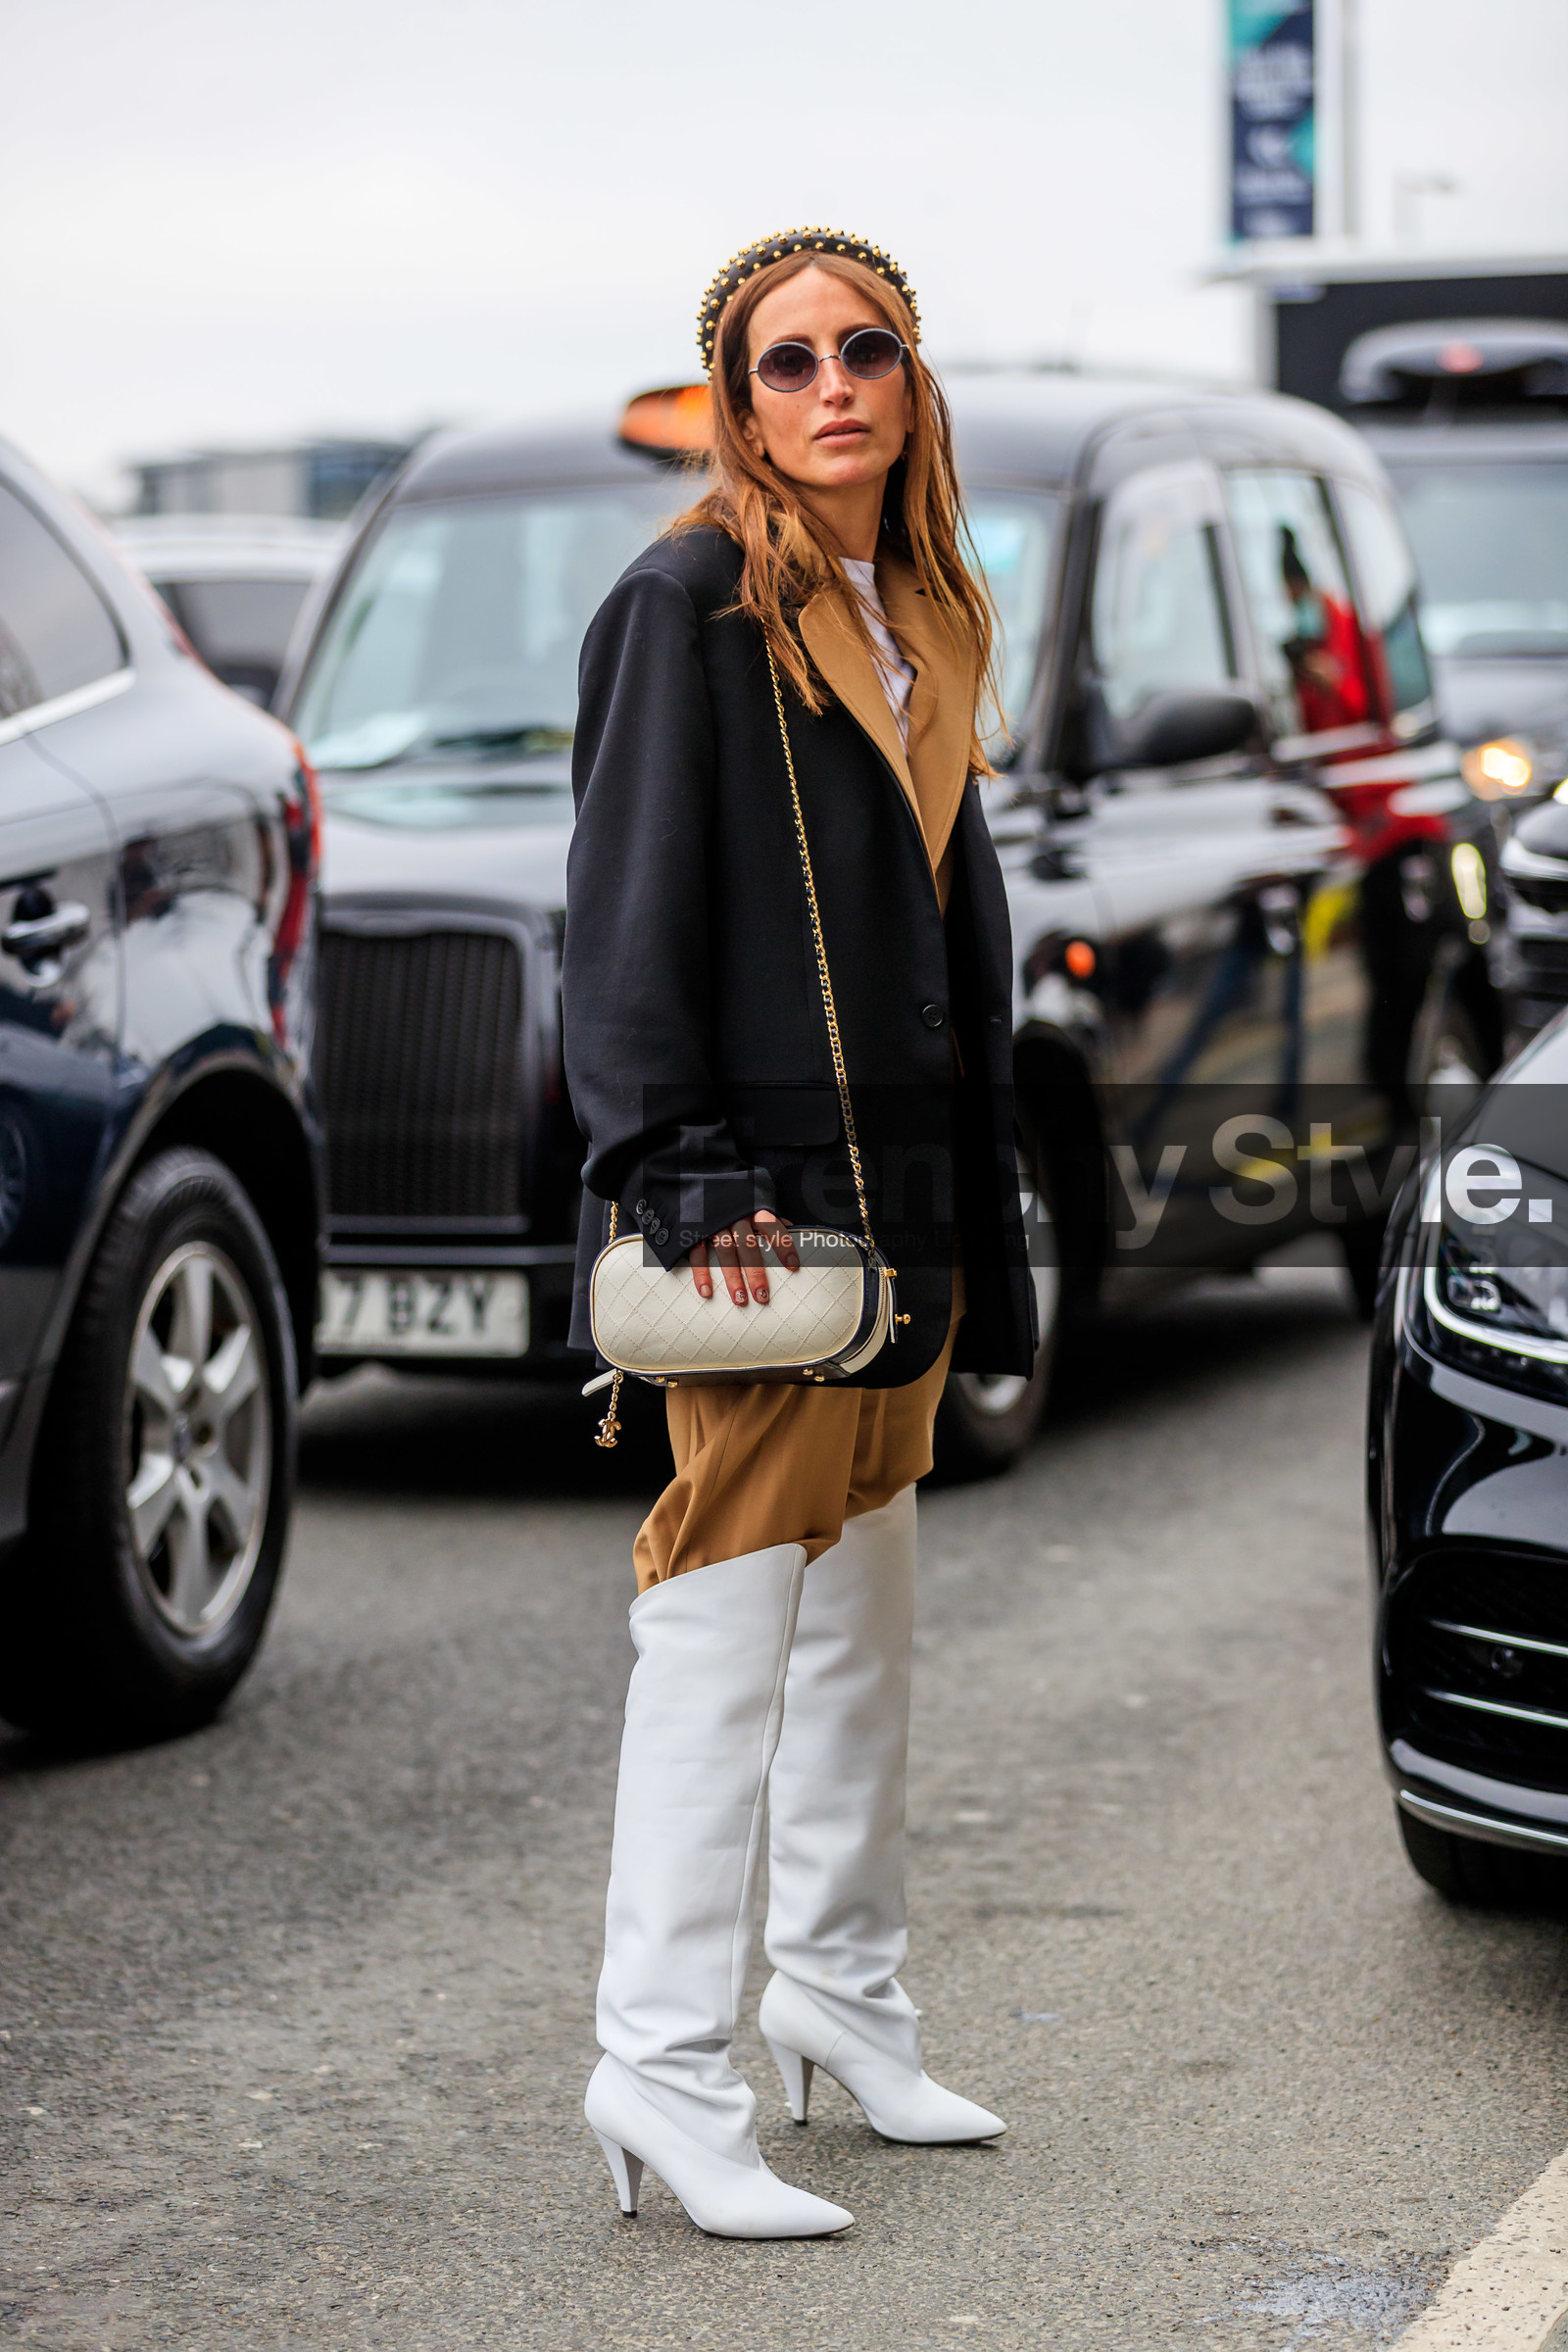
[(843, 432)]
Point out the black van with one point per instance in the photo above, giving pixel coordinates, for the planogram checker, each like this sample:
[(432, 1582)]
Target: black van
[(159, 1186), (1228, 821)]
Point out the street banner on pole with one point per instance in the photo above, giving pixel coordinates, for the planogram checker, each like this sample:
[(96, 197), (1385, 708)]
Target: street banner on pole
[(1274, 73)]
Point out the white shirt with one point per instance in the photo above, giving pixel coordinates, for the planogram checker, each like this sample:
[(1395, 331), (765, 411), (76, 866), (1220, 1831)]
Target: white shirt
[(897, 676)]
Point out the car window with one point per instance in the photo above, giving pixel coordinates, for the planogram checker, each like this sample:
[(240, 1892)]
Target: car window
[(1158, 615), (55, 633), (1013, 534), (1309, 638), (236, 620), (1386, 571)]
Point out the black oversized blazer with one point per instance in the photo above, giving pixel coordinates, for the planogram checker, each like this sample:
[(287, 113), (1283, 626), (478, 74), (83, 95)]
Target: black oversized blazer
[(696, 1046)]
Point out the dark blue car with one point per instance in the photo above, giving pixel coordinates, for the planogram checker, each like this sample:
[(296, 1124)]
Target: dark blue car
[(159, 1180)]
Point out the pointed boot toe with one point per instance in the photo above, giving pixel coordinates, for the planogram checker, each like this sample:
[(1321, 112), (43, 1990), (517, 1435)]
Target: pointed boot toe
[(920, 2113)]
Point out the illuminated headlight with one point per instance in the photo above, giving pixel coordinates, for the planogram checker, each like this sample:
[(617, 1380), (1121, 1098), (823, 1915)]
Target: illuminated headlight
[(1470, 880), (1491, 1289), (1500, 770)]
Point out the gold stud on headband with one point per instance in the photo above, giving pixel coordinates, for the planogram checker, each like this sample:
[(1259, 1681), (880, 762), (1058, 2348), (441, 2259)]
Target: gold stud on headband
[(744, 264)]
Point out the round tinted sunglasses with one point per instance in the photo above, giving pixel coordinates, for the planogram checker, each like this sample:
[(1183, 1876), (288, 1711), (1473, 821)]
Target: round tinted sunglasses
[(871, 352)]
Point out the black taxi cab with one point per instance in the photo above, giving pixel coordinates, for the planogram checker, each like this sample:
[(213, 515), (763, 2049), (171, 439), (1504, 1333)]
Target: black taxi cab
[(1238, 848)]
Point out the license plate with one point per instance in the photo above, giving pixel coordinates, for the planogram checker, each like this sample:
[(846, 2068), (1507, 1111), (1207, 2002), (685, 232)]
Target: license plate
[(424, 1314)]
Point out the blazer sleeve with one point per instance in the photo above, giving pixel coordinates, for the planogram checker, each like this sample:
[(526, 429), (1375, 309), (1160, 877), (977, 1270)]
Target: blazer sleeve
[(635, 973)]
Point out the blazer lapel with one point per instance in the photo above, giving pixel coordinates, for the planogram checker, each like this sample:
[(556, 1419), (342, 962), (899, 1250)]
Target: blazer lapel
[(834, 645), (935, 768), (941, 705)]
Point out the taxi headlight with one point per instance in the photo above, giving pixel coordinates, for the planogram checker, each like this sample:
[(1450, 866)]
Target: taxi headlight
[(1492, 1292)]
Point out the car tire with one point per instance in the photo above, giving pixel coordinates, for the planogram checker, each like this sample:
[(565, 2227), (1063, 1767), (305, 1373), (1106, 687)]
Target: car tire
[(1467, 1870), (985, 1421), (162, 1490)]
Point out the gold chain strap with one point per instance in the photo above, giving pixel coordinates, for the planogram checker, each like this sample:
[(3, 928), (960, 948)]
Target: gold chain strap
[(609, 1427), (839, 1072)]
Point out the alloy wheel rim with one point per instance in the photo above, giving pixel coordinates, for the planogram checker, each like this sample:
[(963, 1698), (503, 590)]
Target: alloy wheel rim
[(198, 1440)]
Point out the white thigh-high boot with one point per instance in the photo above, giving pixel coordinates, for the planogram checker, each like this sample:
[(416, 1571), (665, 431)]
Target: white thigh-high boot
[(703, 1715), (836, 1933)]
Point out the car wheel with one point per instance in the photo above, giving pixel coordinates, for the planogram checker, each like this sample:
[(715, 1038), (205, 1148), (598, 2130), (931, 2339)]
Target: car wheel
[(985, 1420), (1466, 1870), (162, 1490)]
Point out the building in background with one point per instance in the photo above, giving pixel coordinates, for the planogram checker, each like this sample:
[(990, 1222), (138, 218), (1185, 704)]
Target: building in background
[(322, 480), (1313, 300)]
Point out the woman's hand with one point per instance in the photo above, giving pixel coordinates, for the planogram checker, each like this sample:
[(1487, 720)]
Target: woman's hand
[(738, 1249)]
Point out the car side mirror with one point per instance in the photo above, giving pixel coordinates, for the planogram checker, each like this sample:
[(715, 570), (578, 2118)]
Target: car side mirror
[(1171, 729)]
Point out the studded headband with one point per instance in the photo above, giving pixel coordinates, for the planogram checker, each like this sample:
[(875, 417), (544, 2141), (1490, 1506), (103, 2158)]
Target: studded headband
[(742, 266)]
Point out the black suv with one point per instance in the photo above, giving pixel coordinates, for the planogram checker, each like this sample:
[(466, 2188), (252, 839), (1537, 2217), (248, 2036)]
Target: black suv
[(158, 1176)]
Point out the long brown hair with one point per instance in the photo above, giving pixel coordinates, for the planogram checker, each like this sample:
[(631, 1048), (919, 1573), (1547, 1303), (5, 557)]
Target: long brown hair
[(788, 552)]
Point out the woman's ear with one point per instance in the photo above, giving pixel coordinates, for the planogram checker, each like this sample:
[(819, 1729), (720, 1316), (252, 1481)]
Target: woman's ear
[(752, 435)]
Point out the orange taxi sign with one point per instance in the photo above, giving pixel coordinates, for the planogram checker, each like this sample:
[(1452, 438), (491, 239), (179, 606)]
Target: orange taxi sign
[(674, 419)]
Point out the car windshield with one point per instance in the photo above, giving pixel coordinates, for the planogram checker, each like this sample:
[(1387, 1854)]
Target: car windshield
[(1490, 543), (460, 631), (458, 635)]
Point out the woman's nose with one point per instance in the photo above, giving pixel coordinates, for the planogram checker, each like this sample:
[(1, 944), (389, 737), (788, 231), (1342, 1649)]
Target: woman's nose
[(837, 382)]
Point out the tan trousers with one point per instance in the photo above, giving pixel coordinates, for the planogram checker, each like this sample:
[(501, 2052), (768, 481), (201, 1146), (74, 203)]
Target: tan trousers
[(758, 1464)]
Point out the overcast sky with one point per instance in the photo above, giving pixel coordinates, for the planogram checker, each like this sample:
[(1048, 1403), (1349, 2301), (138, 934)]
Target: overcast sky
[(224, 220)]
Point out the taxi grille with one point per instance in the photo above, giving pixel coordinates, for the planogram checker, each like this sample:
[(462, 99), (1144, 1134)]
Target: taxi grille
[(419, 1074)]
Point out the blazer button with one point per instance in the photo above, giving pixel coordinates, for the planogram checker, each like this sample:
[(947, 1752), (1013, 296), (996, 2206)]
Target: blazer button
[(662, 1236), (934, 1016)]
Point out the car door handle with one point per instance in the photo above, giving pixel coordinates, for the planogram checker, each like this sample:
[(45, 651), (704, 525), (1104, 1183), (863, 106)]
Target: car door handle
[(34, 938)]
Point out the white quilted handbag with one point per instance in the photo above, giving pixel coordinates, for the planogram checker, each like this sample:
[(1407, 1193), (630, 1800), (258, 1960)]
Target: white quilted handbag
[(824, 1322)]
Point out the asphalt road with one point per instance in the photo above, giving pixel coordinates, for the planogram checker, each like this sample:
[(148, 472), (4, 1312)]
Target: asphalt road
[(298, 2011)]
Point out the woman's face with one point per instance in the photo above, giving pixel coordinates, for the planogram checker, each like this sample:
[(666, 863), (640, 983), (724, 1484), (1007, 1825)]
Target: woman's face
[(839, 432)]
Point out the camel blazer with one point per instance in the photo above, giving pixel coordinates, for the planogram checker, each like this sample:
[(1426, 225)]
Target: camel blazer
[(696, 1046)]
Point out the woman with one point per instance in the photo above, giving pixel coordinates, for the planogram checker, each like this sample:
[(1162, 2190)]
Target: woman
[(776, 1574)]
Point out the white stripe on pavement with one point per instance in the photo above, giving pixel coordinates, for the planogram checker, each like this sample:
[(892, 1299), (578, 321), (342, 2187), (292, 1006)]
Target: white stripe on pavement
[(1508, 2292)]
